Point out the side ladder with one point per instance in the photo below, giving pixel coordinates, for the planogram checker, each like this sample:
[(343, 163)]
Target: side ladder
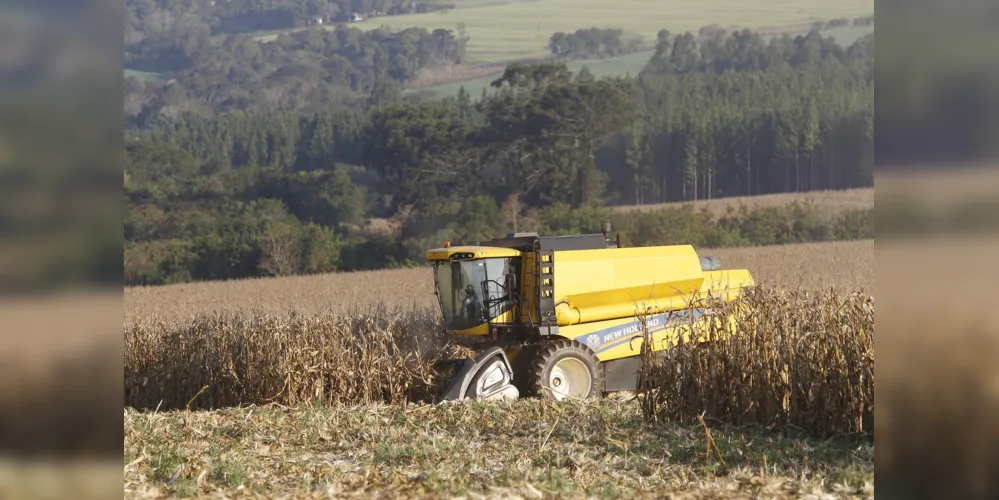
[(546, 292)]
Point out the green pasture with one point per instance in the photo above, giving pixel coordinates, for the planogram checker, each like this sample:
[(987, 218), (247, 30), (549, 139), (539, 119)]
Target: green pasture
[(505, 31), (630, 64)]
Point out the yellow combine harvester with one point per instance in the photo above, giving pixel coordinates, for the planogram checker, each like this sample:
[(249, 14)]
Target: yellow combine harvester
[(562, 312)]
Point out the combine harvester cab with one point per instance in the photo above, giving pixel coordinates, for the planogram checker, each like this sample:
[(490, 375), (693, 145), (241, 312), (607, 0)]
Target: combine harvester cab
[(563, 315)]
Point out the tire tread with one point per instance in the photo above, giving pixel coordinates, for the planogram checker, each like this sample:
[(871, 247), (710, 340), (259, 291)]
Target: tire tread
[(529, 379)]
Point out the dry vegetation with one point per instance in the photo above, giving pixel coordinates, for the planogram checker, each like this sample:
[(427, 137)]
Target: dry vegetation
[(346, 352), (846, 265), (237, 359), (800, 360), (829, 203), (529, 449), (307, 295)]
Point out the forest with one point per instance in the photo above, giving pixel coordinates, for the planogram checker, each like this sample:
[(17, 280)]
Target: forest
[(230, 188), (174, 20), (304, 70), (593, 43)]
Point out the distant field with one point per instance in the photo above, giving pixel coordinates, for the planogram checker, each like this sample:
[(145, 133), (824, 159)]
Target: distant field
[(505, 31), (517, 30), (847, 265), (828, 202), (335, 293), (625, 65), (630, 64), (814, 266)]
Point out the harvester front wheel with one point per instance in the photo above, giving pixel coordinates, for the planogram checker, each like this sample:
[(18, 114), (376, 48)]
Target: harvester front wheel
[(558, 370)]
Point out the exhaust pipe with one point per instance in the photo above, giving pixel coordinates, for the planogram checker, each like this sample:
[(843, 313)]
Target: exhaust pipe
[(606, 229)]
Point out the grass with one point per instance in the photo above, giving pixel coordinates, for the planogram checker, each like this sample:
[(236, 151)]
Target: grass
[(629, 64), (601, 449), (521, 29)]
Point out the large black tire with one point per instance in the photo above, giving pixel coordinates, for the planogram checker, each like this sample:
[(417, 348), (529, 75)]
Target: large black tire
[(535, 364)]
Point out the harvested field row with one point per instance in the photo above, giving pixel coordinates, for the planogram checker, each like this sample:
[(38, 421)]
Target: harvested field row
[(528, 449), (847, 265)]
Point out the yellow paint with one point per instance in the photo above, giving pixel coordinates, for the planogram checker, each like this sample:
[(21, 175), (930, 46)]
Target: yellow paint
[(598, 291), (596, 285), (480, 330), (478, 252)]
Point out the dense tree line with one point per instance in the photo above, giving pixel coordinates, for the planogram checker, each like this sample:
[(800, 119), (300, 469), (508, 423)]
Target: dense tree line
[(592, 43), (255, 192), (308, 69), (173, 20), (734, 116)]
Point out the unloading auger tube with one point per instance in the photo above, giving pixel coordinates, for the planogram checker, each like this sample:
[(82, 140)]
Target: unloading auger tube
[(558, 312)]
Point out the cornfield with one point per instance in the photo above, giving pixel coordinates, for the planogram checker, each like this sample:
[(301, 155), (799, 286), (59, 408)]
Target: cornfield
[(233, 359), (799, 359)]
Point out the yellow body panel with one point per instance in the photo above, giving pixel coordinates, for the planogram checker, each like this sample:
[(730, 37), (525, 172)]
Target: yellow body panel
[(597, 285), (477, 252), (622, 338)]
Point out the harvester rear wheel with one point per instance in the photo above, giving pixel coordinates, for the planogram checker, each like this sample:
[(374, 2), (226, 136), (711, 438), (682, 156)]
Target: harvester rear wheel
[(558, 370)]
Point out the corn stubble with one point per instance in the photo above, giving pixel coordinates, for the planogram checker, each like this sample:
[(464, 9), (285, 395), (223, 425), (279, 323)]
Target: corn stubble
[(799, 360), (235, 359)]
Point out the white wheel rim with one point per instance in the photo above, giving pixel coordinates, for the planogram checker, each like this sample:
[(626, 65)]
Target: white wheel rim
[(489, 379), (569, 378)]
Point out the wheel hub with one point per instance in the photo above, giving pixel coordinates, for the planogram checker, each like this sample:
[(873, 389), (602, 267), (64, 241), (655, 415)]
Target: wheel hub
[(569, 378)]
